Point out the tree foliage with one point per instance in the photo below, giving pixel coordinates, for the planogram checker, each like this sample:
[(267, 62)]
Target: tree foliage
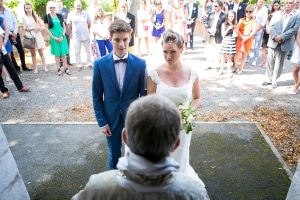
[(39, 6), (12, 4)]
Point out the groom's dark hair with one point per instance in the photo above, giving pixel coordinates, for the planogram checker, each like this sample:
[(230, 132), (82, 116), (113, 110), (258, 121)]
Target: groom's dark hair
[(152, 127)]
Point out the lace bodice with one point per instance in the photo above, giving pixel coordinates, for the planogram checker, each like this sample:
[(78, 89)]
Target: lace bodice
[(179, 95)]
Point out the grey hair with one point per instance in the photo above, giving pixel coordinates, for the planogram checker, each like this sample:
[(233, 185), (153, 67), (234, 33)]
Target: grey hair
[(152, 127)]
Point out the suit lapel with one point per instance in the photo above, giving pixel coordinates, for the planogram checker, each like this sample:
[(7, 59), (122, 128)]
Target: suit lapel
[(291, 20), (112, 72), (128, 72)]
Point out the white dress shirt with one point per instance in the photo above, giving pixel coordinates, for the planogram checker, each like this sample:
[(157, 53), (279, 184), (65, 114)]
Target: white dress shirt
[(120, 69)]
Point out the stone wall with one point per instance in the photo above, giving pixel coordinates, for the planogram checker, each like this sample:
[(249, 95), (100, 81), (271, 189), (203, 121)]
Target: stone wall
[(11, 182)]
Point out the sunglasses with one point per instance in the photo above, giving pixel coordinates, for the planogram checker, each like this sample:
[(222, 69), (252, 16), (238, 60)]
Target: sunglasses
[(249, 11), (51, 7)]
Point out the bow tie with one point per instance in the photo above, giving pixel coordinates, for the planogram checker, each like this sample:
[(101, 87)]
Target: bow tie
[(124, 60)]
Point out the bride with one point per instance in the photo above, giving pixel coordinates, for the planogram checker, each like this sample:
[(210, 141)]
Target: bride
[(180, 83)]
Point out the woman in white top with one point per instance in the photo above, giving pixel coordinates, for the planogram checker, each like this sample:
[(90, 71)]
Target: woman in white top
[(33, 26), (100, 29), (143, 28)]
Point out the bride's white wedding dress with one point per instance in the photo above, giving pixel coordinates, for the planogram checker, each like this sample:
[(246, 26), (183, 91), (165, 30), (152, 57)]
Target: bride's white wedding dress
[(180, 96)]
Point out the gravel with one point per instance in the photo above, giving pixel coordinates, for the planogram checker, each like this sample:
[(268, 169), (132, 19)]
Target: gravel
[(67, 98)]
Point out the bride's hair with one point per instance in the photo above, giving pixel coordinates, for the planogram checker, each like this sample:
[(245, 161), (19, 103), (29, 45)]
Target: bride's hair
[(152, 127), (171, 36)]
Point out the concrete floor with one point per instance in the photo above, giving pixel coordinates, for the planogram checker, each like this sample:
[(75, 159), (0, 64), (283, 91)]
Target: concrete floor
[(234, 160)]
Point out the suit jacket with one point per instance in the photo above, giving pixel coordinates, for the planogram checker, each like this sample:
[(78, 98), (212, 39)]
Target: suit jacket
[(110, 104), (194, 15), (64, 12), (112, 185), (221, 20), (240, 12), (131, 20), (288, 34)]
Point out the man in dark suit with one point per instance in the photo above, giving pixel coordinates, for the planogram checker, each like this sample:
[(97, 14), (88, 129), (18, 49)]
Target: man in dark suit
[(283, 28), (130, 19), (214, 24), (192, 9), (118, 79), (239, 9)]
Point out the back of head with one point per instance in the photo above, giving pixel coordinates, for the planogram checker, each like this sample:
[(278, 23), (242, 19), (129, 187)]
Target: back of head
[(152, 126), (119, 26)]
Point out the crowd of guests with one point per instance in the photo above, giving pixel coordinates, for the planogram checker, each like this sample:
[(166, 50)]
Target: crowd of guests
[(234, 29), (239, 30)]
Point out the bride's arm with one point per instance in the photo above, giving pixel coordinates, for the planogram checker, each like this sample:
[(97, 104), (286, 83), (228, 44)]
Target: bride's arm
[(151, 86), (196, 94)]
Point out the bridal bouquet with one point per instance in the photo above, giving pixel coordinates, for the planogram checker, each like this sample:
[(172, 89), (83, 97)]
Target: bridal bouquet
[(187, 115)]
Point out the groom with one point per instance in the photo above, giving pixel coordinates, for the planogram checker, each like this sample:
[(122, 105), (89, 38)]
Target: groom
[(118, 79)]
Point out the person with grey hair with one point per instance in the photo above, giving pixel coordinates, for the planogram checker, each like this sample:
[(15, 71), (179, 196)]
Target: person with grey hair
[(146, 171), (79, 22), (283, 28)]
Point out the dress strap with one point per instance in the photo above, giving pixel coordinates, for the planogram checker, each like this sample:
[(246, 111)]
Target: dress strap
[(194, 75), (152, 73)]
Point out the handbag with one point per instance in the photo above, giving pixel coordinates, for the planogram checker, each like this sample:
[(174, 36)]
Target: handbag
[(95, 49), (29, 42)]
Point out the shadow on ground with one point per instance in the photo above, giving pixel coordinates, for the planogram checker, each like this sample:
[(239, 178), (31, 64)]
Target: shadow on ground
[(233, 159)]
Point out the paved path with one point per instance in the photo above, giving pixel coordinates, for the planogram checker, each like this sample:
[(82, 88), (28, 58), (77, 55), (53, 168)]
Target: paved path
[(56, 160)]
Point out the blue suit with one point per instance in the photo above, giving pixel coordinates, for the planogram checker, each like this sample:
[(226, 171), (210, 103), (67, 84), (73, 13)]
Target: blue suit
[(110, 103)]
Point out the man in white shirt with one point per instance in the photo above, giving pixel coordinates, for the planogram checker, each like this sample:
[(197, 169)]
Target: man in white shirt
[(79, 22), (261, 15)]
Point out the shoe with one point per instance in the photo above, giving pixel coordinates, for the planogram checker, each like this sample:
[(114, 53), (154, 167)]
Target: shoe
[(293, 93), (24, 89), (233, 70), (67, 71), (266, 83), (275, 85), (253, 63), (18, 70), (262, 64), (79, 69), (289, 57), (36, 71), (26, 69), (59, 73), (240, 72), (6, 95), (69, 63)]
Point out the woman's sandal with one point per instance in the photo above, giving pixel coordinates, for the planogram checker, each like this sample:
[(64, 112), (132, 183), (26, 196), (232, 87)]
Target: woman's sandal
[(67, 71), (233, 70), (59, 72)]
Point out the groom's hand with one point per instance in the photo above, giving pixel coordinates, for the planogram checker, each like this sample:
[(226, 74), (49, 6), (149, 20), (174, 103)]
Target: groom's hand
[(106, 130)]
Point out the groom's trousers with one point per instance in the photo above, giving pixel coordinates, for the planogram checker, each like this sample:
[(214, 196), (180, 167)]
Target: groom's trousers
[(114, 143)]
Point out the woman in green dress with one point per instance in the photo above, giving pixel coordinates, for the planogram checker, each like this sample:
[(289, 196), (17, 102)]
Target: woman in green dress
[(55, 27)]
